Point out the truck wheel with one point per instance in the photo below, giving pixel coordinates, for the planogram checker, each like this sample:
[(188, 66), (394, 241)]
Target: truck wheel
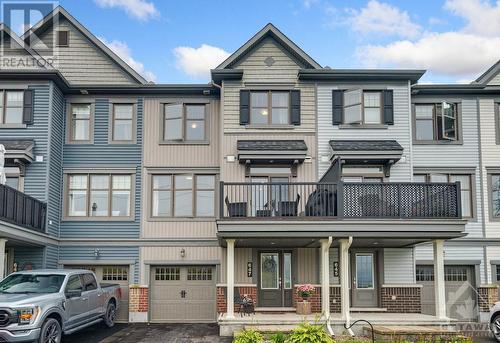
[(51, 331), (110, 315)]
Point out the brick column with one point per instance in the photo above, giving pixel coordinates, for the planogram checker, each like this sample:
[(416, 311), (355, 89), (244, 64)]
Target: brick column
[(250, 290), (402, 298), (335, 301), (138, 303), (314, 299), (487, 297)]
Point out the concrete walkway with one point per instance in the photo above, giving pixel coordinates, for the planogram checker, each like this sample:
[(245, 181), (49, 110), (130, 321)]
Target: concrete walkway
[(153, 333)]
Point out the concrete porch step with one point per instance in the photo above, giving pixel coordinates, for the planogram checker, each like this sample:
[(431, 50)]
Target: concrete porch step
[(271, 328), (367, 309), (275, 310)]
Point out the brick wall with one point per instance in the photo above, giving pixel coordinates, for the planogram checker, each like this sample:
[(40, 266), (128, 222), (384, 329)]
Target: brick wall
[(251, 291), (487, 296), (335, 301), (138, 299), (402, 299), (314, 299)]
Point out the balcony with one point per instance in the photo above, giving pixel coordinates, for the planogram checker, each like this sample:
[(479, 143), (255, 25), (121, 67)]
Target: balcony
[(21, 209), (333, 201)]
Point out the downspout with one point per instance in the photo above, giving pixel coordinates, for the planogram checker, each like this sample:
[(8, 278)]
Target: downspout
[(348, 314), (328, 315)]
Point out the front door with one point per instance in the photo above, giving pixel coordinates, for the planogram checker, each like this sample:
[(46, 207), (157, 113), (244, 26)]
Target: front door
[(364, 279), (275, 279)]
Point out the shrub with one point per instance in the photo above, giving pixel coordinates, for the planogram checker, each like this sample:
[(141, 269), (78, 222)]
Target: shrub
[(308, 333), (248, 336), (278, 337)]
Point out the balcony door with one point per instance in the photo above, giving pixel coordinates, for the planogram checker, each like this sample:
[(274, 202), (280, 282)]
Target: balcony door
[(264, 198), (275, 279)]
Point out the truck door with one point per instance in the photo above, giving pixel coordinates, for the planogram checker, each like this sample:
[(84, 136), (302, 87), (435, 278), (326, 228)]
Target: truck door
[(75, 305), (93, 294)]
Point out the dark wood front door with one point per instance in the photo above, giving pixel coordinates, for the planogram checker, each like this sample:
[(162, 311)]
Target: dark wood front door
[(364, 285), (275, 279)]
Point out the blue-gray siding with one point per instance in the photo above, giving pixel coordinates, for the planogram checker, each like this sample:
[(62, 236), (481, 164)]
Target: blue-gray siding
[(25, 256), (102, 154), (114, 254), (51, 256)]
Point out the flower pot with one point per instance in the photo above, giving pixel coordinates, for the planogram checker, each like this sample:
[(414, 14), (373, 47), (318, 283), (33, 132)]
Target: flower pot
[(303, 308)]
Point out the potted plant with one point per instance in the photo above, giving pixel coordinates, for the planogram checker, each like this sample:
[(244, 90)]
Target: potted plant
[(304, 306)]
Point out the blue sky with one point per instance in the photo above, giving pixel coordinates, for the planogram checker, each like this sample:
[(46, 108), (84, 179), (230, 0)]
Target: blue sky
[(178, 41)]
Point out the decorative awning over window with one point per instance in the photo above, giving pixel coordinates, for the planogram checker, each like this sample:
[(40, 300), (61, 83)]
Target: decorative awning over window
[(271, 151), (18, 150)]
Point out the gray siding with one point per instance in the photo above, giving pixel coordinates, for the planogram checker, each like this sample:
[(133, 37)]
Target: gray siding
[(495, 81), (29, 255), (51, 256), (399, 266), (400, 131), (113, 254), (101, 154)]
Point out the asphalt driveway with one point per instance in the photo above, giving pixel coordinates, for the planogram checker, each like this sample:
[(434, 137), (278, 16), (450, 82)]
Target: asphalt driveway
[(153, 333)]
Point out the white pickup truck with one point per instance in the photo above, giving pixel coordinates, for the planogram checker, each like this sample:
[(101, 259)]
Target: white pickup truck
[(42, 305)]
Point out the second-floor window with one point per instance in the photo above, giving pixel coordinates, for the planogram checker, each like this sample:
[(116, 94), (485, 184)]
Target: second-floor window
[(184, 123), (436, 122), (123, 123), (495, 196), (11, 107), (362, 107), (183, 195), (465, 187), (99, 195), (81, 123), (269, 107)]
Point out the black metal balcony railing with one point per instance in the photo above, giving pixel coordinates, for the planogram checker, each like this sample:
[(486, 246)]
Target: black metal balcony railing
[(340, 200), (21, 209)]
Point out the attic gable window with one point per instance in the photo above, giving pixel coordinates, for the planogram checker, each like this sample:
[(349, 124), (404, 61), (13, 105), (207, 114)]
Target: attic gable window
[(436, 122), (62, 38)]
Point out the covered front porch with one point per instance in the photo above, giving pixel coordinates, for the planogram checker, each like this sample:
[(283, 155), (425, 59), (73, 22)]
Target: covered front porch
[(378, 285)]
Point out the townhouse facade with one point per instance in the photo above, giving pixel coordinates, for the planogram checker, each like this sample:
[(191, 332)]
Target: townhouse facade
[(381, 192)]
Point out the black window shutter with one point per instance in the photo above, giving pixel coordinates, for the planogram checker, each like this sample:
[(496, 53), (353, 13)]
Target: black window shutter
[(244, 107), (388, 107), (337, 106), (295, 102), (28, 107)]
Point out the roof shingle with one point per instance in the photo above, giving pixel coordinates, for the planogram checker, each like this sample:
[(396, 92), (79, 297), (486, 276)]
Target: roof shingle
[(359, 145), (273, 145)]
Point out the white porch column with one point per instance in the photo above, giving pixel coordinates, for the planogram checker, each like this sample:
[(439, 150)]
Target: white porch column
[(230, 278), (2, 257), (344, 279), (325, 276), (439, 288)]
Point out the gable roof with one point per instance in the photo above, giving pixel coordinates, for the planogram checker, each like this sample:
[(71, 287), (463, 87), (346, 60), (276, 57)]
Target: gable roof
[(270, 31), (45, 23), (5, 29), (488, 74)]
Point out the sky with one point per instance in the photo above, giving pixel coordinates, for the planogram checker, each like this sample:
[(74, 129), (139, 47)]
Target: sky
[(174, 41)]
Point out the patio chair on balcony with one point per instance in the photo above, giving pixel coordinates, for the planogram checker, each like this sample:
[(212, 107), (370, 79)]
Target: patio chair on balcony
[(288, 208), (373, 206), (266, 211), (236, 209), (321, 203)]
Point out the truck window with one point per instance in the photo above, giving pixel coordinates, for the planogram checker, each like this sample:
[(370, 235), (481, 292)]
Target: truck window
[(89, 282), (74, 283), (32, 283)]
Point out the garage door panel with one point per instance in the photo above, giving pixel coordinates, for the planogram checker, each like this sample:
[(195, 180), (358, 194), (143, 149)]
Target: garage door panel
[(181, 294)]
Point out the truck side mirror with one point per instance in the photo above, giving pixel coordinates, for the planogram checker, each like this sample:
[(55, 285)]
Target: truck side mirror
[(73, 293)]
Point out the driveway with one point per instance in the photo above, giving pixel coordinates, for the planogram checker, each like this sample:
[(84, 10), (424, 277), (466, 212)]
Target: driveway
[(153, 333)]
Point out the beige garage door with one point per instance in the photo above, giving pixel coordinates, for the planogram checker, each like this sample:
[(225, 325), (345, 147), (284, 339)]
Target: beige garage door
[(461, 296), (112, 274), (183, 294)]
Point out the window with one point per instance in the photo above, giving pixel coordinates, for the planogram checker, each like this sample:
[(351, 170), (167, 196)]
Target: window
[(74, 283), (123, 123), (353, 173), (436, 122), (62, 38), (424, 273), (199, 273), (465, 187), (12, 181), (11, 107), (455, 273), (362, 107), (167, 274), (497, 271), (114, 273), (270, 107), (99, 195), (185, 122), (495, 196), (183, 195), (89, 282), (80, 122)]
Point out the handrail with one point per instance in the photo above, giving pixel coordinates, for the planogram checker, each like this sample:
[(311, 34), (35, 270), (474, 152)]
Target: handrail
[(21, 209)]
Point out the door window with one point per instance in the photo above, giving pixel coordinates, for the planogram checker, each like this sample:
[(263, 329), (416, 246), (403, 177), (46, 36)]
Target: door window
[(74, 283), (287, 270), (89, 282), (364, 271), (269, 267)]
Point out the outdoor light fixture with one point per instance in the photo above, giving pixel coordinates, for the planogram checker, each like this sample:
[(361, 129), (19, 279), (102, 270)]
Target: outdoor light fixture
[(97, 253), (183, 252)]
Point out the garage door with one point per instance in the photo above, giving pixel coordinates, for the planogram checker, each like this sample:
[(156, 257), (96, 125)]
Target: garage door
[(112, 274), (183, 294), (461, 296)]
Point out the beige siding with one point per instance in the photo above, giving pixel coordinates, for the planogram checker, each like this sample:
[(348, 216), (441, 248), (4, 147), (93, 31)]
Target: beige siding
[(235, 172), (307, 266), (179, 155), (179, 229), (16, 57), (241, 257), (82, 62), (495, 81)]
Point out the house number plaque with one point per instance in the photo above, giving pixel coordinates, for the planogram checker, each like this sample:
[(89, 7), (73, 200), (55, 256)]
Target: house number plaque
[(249, 269), (335, 269)]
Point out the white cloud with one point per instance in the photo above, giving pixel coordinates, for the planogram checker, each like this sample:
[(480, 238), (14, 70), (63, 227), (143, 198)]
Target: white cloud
[(139, 9), (123, 51), (379, 17), (197, 62), (309, 3), (463, 53)]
